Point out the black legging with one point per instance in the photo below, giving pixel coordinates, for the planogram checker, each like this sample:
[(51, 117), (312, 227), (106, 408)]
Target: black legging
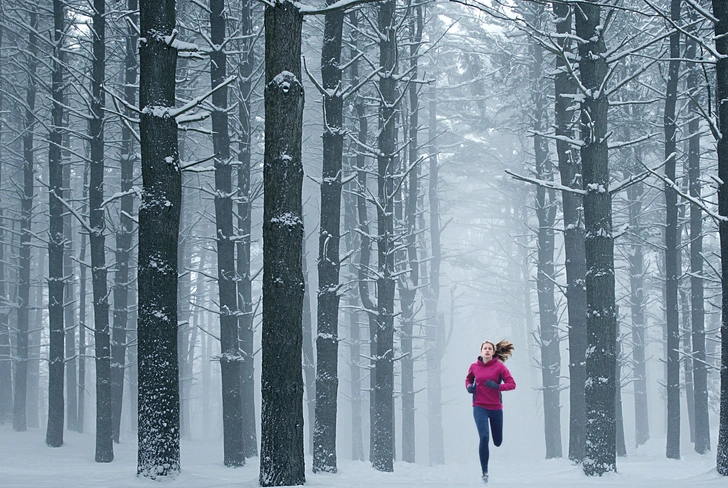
[(482, 416)]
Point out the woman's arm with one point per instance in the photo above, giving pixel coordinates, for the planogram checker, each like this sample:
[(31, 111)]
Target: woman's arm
[(508, 382)]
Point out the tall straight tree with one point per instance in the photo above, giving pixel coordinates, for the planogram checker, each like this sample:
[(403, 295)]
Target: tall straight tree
[(97, 238), (409, 282), (159, 214), (125, 231), (27, 194), (245, 205), (82, 280), (601, 322), (697, 293), (230, 360), (720, 12), (383, 422), (575, 261), (56, 280), (327, 337), (545, 278), (281, 449), (671, 245)]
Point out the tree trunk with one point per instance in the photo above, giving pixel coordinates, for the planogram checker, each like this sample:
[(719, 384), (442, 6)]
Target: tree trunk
[(281, 456), (697, 295), (245, 305), (600, 390), (26, 214), (570, 172), (56, 238), (546, 214), (720, 12), (436, 326), (383, 452), (70, 321), (671, 247), (327, 337), (124, 234), (230, 359), (637, 308), (82, 312), (309, 363), (159, 215)]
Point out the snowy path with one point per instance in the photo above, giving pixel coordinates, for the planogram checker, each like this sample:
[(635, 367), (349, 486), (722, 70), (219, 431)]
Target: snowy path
[(25, 461)]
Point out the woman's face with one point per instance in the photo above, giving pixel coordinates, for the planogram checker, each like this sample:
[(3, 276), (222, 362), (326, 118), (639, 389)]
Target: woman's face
[(487, 351)]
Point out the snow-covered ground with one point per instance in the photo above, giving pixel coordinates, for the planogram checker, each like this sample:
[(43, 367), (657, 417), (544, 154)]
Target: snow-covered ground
[(25, 461)]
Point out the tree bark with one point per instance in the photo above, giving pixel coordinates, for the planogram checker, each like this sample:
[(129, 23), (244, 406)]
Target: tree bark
[(383, 452), (600, 390), (570, 172), (671, 243), (281, 456), (159, 215), (6, 380), (720, 12), (125, 232), (56, 238), (327, 337)]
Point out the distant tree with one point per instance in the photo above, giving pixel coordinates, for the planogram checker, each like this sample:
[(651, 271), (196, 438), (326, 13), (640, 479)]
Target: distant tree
[(56, 237), (281, 450), (599, 455), (246, 194), (6, 380), (27, 191), (159, 215)]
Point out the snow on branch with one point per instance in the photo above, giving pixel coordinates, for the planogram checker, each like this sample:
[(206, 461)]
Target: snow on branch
[(340, 5), (546, 184), (671, 184)]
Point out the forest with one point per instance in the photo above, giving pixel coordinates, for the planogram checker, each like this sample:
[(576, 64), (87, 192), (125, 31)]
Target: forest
[(289, 226)]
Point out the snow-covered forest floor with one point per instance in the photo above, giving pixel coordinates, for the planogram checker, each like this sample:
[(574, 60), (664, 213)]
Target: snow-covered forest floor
[(25, 461)]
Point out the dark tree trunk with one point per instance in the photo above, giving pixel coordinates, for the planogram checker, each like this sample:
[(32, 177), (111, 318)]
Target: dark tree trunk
[(570, 171), (697, 295), (436, 326), (600, 390), (637, 309), (82, 280), (245, 295), (720, 12), (621, 445), (97, 239), (672, 272), (281, 456), (159, 215), (26, 215), (230, 360), (125, 232), (327, 337), (545, 278), (383, 449), (56, 238)]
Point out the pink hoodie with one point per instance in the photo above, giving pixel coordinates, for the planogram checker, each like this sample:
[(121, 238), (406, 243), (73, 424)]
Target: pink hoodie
[(495, 370)]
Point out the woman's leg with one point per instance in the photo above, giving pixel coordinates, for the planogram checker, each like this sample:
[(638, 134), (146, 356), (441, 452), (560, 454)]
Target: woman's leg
[(481, 422), (496, 426)]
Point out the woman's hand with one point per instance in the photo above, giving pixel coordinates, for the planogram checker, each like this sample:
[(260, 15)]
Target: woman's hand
[(491, 384), (471, 387)]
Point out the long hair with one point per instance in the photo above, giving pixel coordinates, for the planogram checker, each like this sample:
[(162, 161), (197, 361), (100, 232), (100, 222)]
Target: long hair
[(503, 350)]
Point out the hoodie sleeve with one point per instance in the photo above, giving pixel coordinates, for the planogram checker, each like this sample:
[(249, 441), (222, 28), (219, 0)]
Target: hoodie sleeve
[(508, 382), (470, 377)]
